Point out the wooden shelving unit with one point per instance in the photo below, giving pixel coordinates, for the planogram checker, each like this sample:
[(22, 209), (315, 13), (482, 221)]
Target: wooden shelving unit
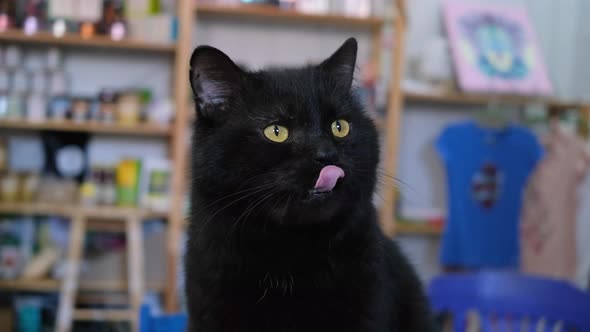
[(272, 13), (143, 129), (177, 54), (75, 40)]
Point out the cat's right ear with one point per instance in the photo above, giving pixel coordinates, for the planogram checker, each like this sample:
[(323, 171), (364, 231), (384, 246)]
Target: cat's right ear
[(340, 65), (214, 78)]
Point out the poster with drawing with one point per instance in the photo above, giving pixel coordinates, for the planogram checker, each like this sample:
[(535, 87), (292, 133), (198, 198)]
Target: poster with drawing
[(494, 49)]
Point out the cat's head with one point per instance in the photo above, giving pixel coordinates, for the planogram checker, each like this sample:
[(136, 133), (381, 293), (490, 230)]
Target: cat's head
[(292, 144)]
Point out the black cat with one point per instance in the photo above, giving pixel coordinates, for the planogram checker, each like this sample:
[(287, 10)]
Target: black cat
[(283, 233)]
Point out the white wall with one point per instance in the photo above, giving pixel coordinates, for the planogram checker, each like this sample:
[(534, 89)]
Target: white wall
[(272, 44)]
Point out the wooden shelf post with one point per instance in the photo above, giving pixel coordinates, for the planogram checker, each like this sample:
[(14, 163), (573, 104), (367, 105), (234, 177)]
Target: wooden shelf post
[(135, 268), (67, 312), (69, 286), (179, 148), (392, 121)]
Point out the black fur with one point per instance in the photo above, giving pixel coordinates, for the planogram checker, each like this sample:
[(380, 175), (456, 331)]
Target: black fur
[(264, 254)]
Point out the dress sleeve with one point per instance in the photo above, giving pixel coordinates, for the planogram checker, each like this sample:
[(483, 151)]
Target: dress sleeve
[(537, 152), (444, 144)]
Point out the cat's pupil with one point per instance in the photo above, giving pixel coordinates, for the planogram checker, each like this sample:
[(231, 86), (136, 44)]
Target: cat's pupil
[(338, 126), (277, 131)]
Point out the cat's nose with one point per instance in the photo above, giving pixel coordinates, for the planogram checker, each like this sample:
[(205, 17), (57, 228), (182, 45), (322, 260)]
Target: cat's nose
[(326, 154)]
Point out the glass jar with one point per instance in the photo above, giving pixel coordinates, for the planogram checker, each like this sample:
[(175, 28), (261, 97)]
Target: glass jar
[(108, 106), (80, 110), (15, 106), (129, 108), (36, 107)]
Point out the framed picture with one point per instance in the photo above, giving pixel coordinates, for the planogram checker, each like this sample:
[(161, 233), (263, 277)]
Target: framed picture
[(494, 49)]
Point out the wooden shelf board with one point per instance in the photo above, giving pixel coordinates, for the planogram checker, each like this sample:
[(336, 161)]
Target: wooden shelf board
[(47, 285), (104, 315), (117, 300), (117, 286), (115, 213), (75, 40), (144, 129), (51, 285), (272, 13), (457, 98), (417, 229)]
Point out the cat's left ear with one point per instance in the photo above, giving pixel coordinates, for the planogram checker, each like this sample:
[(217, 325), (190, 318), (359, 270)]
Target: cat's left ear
[(340, 65), (214, 78)]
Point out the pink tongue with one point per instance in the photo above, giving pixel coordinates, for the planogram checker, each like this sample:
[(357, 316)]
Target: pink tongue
[(329, 175)]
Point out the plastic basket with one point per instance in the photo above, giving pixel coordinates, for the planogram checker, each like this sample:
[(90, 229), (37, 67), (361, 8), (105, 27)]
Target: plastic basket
[(507, 301), (161, 323)]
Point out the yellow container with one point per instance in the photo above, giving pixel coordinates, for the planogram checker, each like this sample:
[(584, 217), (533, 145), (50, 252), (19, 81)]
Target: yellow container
[(127, 182)]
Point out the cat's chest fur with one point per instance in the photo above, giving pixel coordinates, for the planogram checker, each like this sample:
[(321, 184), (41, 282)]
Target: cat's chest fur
[(308, 285)]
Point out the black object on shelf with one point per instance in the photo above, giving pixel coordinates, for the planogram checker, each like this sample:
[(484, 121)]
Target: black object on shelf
[(66, 154)]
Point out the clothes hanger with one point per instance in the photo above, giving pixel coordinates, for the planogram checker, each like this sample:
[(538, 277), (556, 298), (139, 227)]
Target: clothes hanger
[(494, 114)]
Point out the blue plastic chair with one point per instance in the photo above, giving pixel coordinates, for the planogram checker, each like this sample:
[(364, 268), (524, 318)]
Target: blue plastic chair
[(161, 323), (504, 300)]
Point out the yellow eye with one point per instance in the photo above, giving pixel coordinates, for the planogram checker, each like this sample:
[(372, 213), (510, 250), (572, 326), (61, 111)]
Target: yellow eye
[(340, 128), (276, 133)]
